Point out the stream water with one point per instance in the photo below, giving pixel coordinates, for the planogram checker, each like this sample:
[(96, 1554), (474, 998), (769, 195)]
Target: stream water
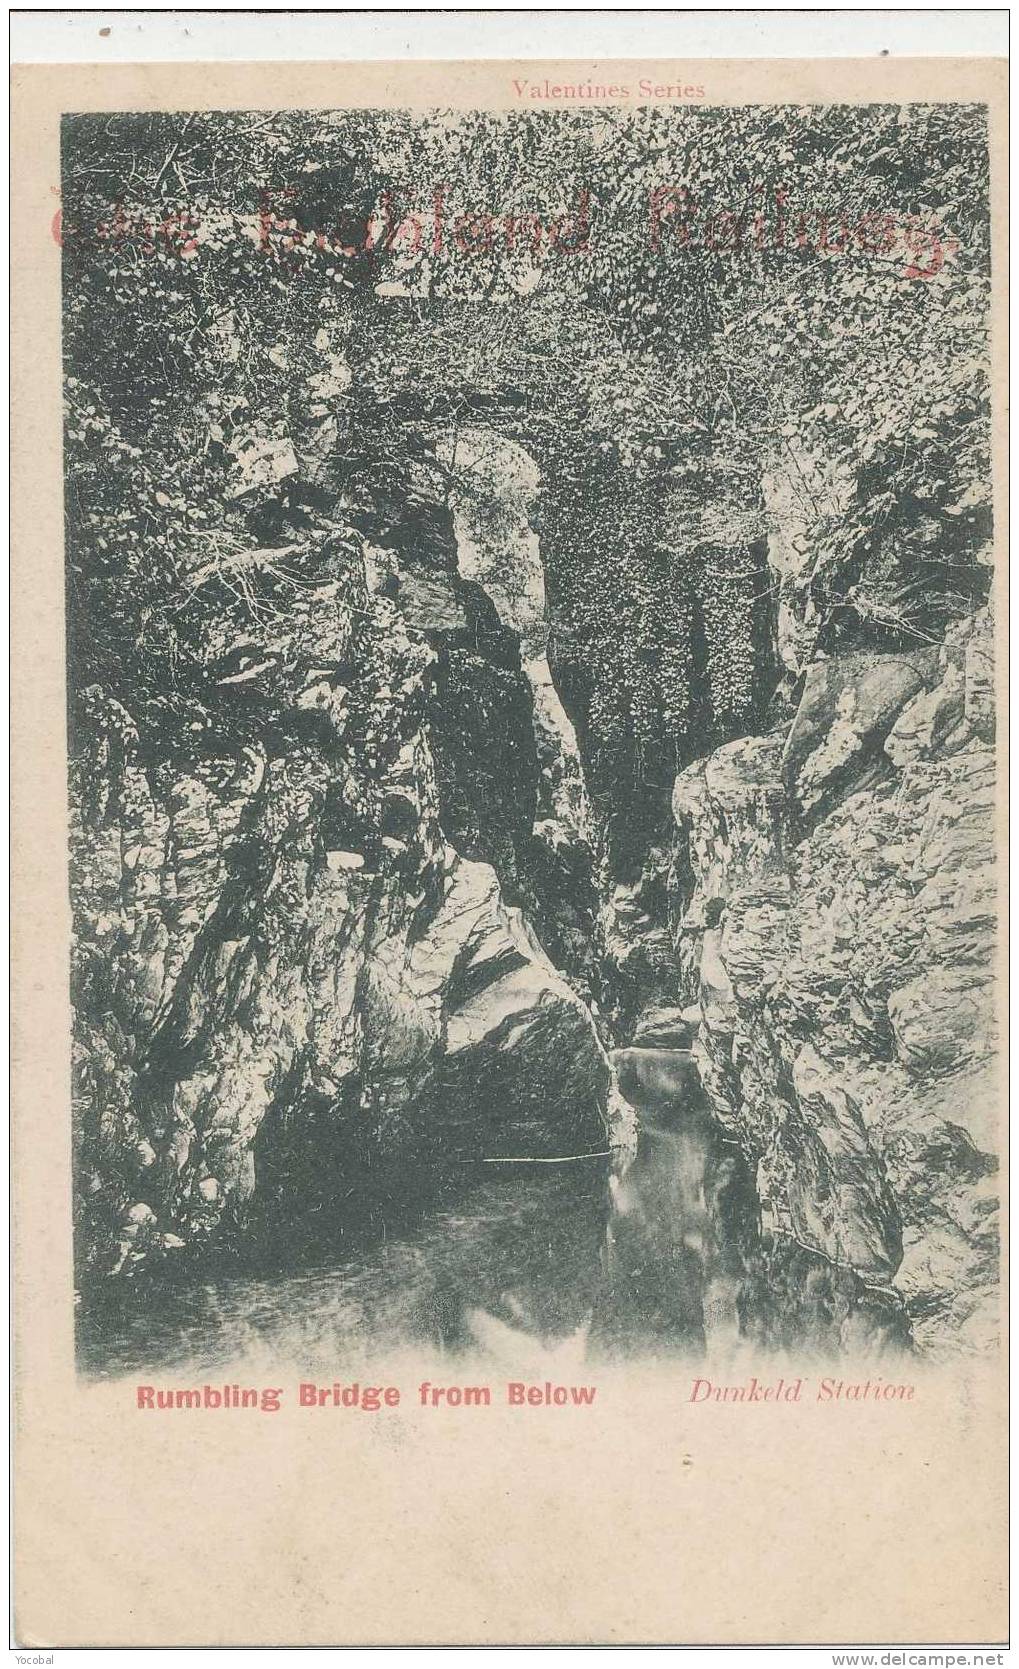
[(645, 1255)]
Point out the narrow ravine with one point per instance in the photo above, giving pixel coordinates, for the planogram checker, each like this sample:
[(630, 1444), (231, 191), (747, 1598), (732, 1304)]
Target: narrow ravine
[(397, 939)]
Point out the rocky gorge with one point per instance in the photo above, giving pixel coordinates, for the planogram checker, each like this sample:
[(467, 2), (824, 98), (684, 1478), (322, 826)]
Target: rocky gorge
[(533, 790), (381, 933)]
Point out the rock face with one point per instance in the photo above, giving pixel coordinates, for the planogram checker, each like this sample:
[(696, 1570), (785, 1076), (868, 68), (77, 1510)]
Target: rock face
[(846, 710), (357, 920), (307, 956), (498, 551), (834, 909)]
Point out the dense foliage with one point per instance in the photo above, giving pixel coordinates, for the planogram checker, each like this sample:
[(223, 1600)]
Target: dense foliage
[(268, 342)]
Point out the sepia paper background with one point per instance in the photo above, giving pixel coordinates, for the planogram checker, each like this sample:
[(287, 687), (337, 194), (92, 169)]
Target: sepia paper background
[(640, 1520)]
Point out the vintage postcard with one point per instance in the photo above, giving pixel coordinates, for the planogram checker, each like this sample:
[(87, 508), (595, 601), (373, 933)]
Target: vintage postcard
[(509, 603)]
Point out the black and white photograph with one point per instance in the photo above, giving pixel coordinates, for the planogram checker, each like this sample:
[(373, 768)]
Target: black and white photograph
[(531, 702)]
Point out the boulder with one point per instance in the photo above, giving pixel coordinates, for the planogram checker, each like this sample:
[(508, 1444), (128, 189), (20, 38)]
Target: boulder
[(521, 1069), (921, 729), (847, 708)]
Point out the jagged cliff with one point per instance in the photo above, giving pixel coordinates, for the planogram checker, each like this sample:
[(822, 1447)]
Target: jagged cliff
[(834, 910), (308, 966)]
